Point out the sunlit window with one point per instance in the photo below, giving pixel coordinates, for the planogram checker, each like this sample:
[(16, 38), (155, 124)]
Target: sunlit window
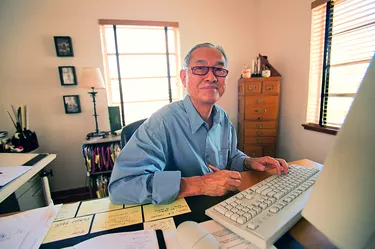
[(142, 67), (342, 46)]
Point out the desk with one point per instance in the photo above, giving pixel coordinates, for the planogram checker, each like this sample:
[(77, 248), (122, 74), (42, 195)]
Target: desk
[(303, 231), (17, 159)]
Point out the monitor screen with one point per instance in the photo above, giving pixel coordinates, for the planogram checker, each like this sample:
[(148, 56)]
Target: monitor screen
[(342, 203)]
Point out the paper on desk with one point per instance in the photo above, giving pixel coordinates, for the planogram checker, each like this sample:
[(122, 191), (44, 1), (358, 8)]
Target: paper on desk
[(156, 212), (97, 206), (117, 218), (67, 211), (164, 224), (19, 230), (68, 229), (226, 237), (134, 240), (9, 173)]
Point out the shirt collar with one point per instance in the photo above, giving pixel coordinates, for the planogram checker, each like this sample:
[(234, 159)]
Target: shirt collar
[(195, 119)]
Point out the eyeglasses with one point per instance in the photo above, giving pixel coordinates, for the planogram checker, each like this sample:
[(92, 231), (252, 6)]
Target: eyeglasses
[(203, 70)]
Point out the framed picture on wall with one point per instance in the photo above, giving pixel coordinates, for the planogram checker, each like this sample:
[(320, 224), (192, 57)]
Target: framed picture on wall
[(72, 104), (67, 75), (63, 45)]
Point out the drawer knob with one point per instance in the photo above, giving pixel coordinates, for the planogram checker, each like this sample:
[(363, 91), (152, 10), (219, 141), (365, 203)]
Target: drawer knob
[(259, 133), (260, 118), (260, 126), (270, 87), (259, 141), (252, 88), (256, 110)]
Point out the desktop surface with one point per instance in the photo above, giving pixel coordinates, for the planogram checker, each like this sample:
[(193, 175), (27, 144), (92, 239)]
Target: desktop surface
[(301, 235)]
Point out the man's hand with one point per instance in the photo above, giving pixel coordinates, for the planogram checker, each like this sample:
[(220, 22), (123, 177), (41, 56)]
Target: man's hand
[(220, 181), (214, 184), (266, 163)]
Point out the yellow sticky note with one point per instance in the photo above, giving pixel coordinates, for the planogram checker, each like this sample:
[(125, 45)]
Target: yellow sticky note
[(66, 229), (156, 212), (166, 225), (97, 206), (67, 211), (115, 219)]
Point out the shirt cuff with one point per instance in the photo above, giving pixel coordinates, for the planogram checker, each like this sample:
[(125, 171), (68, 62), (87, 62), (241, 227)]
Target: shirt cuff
[(166, 186), (237, 163)]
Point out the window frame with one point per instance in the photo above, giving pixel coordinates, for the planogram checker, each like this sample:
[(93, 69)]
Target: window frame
[(104, 23), (322, 109)]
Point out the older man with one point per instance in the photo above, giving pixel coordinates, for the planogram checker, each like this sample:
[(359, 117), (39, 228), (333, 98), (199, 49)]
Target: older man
[(188, 147)]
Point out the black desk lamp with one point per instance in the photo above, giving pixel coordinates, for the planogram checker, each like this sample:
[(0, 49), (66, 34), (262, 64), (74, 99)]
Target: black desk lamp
[(92, 78)]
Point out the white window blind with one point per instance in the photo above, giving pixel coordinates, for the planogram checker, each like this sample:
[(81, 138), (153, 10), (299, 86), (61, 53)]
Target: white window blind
[(141, 65), (339, 57)]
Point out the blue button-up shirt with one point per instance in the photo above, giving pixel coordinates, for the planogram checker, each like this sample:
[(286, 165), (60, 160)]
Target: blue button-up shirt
[(174, 142)]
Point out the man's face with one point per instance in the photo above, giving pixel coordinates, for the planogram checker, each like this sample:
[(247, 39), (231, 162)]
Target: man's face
[(204, 89)]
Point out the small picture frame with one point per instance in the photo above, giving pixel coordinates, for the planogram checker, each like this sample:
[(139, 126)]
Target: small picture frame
[(63, 45), (67, 75), (72, 104)]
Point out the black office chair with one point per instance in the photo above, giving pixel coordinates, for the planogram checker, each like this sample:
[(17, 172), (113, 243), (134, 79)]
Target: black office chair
[(128, 131)]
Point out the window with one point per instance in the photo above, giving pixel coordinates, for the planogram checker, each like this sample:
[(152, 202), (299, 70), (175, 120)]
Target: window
[(142, 62), (342, 46)]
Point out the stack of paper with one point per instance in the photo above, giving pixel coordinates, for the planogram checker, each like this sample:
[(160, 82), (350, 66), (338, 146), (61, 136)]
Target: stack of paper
[(9, 173), (19, 231)]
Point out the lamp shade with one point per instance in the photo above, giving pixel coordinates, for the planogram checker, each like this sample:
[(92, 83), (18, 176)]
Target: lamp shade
[(91, 77)]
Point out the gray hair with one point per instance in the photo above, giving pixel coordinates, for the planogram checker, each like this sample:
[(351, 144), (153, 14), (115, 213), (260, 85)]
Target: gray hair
[(203, 45)]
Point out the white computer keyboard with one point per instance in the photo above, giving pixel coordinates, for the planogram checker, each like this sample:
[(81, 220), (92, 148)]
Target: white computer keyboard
[(262, 213)]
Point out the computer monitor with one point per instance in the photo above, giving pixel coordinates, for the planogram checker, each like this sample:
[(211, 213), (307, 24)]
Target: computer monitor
[(342, 203)]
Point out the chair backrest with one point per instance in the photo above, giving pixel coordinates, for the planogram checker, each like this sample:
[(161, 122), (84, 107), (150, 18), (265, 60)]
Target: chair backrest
[(128, 131)]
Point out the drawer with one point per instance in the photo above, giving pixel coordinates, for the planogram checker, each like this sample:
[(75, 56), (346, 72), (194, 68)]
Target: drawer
[(259, 140), (32, 198), (269, 151), (253, 151), (261, 101), (27, 185), (253, 87), (271, 87), (260, 132), (260, 125), (264, 114)]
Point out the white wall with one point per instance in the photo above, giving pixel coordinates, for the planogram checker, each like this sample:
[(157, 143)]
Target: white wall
[(284, 37), (28, 64)]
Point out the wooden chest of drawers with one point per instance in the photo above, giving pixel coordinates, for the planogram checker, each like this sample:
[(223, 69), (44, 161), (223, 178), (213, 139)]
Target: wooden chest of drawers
[(258, 113)]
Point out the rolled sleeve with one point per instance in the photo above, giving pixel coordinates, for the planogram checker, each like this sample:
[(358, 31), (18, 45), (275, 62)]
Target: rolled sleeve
[(166, 186)]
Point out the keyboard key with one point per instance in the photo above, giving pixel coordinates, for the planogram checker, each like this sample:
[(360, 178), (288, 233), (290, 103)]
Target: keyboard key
[(240, 212), (228, 214), (274, 209), (221, 209), (252, 226), (252, 212), (260, 190), (241, 220), (234, 210), (263, 205), (234, 217), (247, 216)]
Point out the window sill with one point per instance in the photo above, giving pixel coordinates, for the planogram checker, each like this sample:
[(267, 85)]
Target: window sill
[(317, 128)]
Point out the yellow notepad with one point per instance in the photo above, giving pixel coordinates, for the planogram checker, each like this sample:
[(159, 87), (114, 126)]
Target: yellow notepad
[(68, 229), (67, 211), (156, 212), (115, 219), (97, 206)]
